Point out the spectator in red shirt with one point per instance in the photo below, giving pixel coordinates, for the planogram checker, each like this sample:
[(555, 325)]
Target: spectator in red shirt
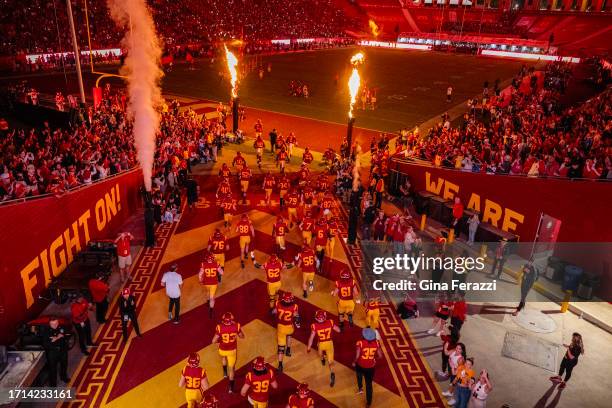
[(458, 315), (457, 214), (80, 318), (123, 242), (99, 294)]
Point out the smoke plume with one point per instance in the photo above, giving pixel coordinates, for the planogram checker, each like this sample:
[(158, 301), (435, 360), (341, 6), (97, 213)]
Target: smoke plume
[(143, 72)]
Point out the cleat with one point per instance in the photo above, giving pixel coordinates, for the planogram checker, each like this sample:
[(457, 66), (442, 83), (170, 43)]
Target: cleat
[(332, 379), (288, 351), (280, 366), (323, 361), (224, 371), (242, 263), (305, 294)]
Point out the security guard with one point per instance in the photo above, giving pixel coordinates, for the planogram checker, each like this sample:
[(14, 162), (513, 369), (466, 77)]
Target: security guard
[(56, 348), (127, 310)]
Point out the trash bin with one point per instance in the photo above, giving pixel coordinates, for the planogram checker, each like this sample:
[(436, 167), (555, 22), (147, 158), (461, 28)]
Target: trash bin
[(571, 278), (554, 269), (588, 283)]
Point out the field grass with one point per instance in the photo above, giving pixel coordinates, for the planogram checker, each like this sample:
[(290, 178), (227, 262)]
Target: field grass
[(411, 84)]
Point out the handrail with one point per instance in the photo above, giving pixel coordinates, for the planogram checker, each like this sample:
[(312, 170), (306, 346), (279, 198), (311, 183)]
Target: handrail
[(424, 163), (69, 191)]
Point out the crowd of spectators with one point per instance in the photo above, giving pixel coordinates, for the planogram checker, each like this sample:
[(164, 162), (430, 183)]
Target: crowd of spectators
[(44, 160), (529, 134), (39, 26)]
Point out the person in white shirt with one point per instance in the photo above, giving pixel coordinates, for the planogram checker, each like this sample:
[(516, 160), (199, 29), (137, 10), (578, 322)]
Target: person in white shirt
[(173, 282)]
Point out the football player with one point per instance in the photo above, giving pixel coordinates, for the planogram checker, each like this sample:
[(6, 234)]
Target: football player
[(372, 309), (291, 143), (321, 234), (210, 276), (307, 226), (258, 382), (226, 334), (301, 398), (225, 173), (245, 176), (287, 315), (283, 184), (193, 378), (228, 206), (279, 229), (259, 146), (307, 157), (238, 162), (273, 267), (322, 329), (306, 261), (346, 290), (268, 186), (332, 231), (246, 231), (293, 201), (217, 244)]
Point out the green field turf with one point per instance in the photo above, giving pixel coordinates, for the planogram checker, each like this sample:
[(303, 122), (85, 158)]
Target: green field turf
[(411, 84)]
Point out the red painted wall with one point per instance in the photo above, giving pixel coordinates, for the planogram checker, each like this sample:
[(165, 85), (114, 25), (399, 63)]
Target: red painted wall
[(40, 237)]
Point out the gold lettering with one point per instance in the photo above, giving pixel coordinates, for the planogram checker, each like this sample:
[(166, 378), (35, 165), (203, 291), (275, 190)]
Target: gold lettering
[(118, 197), (450, 189), (111, 205), (83, 223), (474, 202), (434, 188), (29, 281), (492, 213), (509, 217), (45, 267), (100, 212), (56, 267), (73, 242)]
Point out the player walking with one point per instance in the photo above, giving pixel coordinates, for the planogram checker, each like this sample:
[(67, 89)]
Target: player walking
[(228, 206), (259, 146), (245, 176), (293, 201), (321, 234), (258, 382), (226, 334), (245, 230), (268, 186), (306, 261), (287, 315), (346, 290), (283, 184), (301, 398), (372, 308), (210, 276), (217, 244), (273, 268), (322, 329), (193, 378), (307, 226), (279, 230)]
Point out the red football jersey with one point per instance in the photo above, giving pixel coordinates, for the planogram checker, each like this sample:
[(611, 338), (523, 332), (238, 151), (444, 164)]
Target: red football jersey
[(323, 331), (307, 157), (208, 273), (345, 288), (320, 233), (273, 271), (225, 188), (245, 174), (280, 228), (244, 228), (306, 260), (269, 182), (284, 313), (308, 224), (283, 183), (292, 200), (217, 245), (367, 355), (308, 194), (332, 227), (228, 205), (327, 203), (296, 402), (225, 172), (193, 377), (239, 161), (259, 389), (228, 336)]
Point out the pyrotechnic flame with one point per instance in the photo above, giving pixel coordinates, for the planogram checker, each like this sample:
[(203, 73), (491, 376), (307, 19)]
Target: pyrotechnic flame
[(354, 81), (374, 28), (232, 63)]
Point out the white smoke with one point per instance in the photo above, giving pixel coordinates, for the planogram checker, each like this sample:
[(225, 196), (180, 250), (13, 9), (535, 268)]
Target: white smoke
[(143, 72)]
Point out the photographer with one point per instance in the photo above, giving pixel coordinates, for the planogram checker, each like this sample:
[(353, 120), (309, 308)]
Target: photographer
[(56, 348)]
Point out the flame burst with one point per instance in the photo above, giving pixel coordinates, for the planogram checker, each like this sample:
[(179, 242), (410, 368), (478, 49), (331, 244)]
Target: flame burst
[(232, 63), (354, 81), (374, 28)]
